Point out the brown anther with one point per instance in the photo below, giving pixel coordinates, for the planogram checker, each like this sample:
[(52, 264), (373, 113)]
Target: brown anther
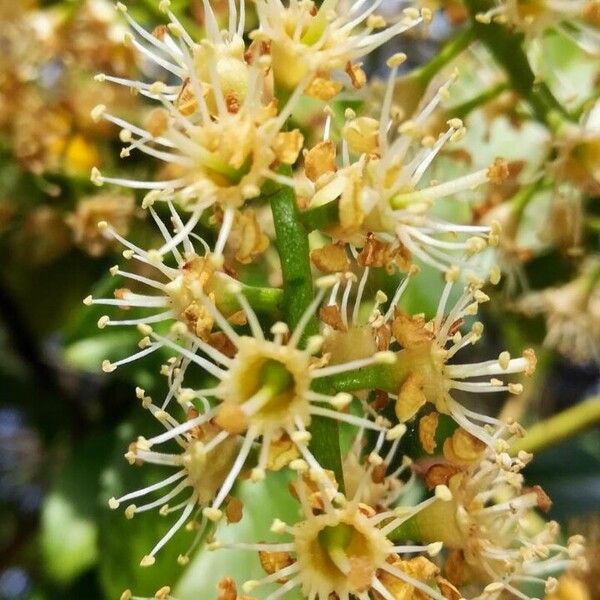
[(222, 343), (256, 49), (198, 319), (440, 474), (312, 490), (330, 259), (410, 331), (234, 510), (455, 567), (383, 337), (331, 315), (160, 31), (238, 318), (226, 589), (120, 294), (378, 473), (427, 427), (382, 399), (357, 76), (462, 448), (543, 500), (272, 562), (375, 253), (232, 102)]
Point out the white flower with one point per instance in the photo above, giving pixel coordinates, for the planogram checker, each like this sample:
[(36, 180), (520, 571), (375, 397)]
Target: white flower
[(217, 128), (491, 521), (308, 40), (342, 547), (201, 468), (430, 372), (183, 273), (572, 314), (263, 391), (577, 20), (381, 190)]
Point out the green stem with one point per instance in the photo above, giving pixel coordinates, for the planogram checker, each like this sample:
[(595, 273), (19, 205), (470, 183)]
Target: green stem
[(293, 249), (321, 217), (524, 196), (507, 48), (380, 377), (560, 427), (445, 55), (465, 108), (263, 299)]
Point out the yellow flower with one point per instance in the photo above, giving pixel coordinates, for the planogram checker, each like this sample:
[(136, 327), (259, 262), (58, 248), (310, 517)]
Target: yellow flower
[(341, 548), (116, 209), (218, 127), (378, 186), (491, 521), (310, 41), (576, 18)]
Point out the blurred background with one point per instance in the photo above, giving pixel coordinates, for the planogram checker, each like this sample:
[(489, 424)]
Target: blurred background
[(63, 424)]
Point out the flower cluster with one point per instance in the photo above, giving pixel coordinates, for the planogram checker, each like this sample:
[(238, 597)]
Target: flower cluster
[(260, 379)]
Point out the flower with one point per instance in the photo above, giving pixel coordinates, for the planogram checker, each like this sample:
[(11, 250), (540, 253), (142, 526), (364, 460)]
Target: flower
[(202, 466), (379, 192), (578, 152), (342, 548), (577, 20), (195, 272), (263, 391), (115, 209), (429, 372), (377, 484), (218, 128), (308, 41), (492, 530), (572, 314)]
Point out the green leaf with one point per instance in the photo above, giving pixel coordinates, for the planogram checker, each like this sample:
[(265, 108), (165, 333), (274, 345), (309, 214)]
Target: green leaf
[(569, 474), (68, 525)]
